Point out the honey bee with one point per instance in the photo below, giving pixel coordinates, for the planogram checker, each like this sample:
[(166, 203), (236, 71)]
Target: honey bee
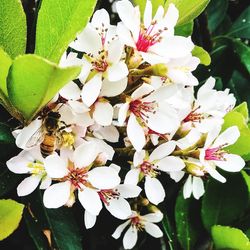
[(48, 135)]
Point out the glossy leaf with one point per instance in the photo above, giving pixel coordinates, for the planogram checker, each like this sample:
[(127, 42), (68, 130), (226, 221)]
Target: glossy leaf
[(10, 216), (243, 109), (241, 27), (202, 55), (243, 51), (33, 82), (230, 201), (58, 23), (12, 27), (229, 238), (188, 10), (59, 223), (185, 29), (216, 12), (187, 221)]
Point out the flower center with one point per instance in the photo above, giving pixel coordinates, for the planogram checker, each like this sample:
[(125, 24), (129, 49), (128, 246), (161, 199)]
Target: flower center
[(140, 109), (77, 177), (36, 168), (136, 222), (102, 31), (215, 154), (68, 139), (148, 38), (148, 168), (107, 194), (194, 116), (100, 63)]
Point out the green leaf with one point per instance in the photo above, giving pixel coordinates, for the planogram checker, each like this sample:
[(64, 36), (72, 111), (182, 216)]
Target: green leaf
[(187, 221), (10, 216), (229, 238), (6, 136), (58, 23), (8, 181), (5, 62), (202, 55), (241, 27), (242, 109), (169, 232), (60, 222), (33, 82), (188, 10), (243, 51), (227, 205), (242, 146), (12, 27), (185, 29), (216, 12)]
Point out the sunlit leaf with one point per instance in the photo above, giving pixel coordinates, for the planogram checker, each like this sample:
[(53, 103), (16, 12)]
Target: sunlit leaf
[(58, 23), (10, 216), (12, 27), (185, 29), (33, 82), (229, 238), (202, 55)]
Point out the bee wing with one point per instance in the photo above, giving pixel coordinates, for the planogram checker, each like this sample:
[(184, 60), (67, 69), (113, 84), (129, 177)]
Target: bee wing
[(36, 138)]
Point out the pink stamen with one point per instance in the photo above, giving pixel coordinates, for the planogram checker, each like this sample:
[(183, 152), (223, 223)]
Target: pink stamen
[(77, 177), (194, 116), (140, 109), (146, 39), (107, 194), (215, 154)]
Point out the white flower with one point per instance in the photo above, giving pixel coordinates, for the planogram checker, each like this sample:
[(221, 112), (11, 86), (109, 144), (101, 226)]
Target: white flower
[(137, 223), (147, 109), (150, 165), (209, 108), (213, 154), (75, 174), (103, 49), (154, 37), (29, 162), (115, 202)]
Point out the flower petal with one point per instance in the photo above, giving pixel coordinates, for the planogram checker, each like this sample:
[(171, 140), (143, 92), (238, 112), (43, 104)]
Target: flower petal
[(55, 166), (103, 177), (232, 163), (162, 151), (153, 230), (132, 177), (139, 157), (123, 113), (229, 137), (119, 208), (198, 187), (130, 238), (187, 188), (91, 90), (117, 71), (70, 91), (117, 233), (113, 88), (90, 200), (170, 163), (154, 190), (57, 195), (135, 133), (85, 154), (28, 185), (89, 219), (103, 113), (215, 174), (128, 190), (153, 217), (88, 41)]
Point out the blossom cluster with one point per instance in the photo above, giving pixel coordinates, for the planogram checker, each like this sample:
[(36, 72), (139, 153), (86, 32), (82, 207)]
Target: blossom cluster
[(134, 96)]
